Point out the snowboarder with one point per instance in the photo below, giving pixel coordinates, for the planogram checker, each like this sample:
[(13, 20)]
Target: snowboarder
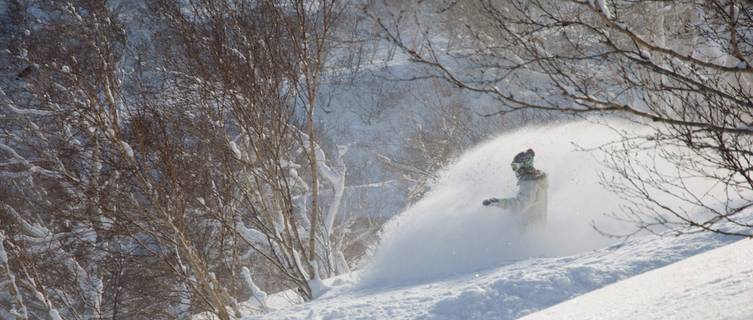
[(531, 201)]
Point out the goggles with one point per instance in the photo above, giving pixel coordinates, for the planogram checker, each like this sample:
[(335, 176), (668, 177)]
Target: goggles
[(515, 166)]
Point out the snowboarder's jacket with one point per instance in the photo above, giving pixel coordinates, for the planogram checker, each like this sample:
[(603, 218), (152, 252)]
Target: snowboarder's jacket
[(531, 201)]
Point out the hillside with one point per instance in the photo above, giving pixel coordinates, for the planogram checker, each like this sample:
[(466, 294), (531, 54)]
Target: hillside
[(447, 257), (712, 285), (524, 287)]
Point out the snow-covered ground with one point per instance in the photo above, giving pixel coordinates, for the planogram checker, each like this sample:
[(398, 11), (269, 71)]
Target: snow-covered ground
[(518, 289), (447, 257), (713, 285)]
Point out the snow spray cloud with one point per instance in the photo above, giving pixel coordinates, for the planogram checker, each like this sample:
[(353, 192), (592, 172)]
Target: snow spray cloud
[(449, 232)]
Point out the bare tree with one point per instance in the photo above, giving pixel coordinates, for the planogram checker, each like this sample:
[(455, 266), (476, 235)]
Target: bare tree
[(85, 191), (438, 130), (259, 70), (680, 68), (166, 170)]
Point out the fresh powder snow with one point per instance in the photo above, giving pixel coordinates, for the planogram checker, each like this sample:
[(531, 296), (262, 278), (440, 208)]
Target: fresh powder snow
[(713, 285), (447, 257), (449, 232)]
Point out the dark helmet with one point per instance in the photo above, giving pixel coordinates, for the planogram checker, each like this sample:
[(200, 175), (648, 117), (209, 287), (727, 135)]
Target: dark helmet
[(523, 160)]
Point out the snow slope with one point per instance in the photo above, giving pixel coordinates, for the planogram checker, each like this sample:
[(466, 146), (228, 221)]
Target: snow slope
[(506, 292), (713, 285), (447, 257)]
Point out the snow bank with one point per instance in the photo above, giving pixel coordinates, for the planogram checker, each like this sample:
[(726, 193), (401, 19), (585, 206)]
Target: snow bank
[(513, 290), (712, 285), (449, 232)]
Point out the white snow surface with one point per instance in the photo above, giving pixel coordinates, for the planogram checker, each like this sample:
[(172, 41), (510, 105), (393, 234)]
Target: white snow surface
[(713, 285), (448, 257), (516, 289)]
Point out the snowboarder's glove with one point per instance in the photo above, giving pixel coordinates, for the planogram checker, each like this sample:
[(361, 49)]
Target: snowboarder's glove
[(489, 201)]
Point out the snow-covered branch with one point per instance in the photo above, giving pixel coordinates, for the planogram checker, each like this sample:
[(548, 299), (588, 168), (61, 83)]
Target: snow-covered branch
[(335, 176), (8, 103), (256, 293), (32, 231), (250, 235), (602, 7), (31, 168), (8, 284), (41, 239)]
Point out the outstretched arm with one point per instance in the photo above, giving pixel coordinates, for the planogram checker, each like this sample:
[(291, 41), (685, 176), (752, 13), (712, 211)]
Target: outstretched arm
[(519, 203)]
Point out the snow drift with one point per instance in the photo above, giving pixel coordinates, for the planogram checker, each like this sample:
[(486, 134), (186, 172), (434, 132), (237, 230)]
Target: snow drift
[(514, 290), (712, 285), (449, 232)]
